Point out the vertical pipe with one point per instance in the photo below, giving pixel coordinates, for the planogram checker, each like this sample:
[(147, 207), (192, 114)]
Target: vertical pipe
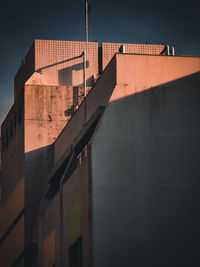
[(168, 52), (173, 51), (84, 72), (86, 21), (123, 49)]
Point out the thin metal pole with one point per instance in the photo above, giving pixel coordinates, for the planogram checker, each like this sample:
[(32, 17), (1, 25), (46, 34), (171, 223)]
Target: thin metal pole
[(168, 52), (86, 21), (173, 51), (84, 74)]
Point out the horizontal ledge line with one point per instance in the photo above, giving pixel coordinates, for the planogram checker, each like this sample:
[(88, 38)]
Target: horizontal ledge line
[(146, 236), (151, 133), (143, 182), (45, 120)]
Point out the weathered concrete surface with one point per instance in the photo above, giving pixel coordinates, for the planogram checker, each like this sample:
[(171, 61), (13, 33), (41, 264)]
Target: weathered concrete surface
[(60, 210), (109, 49), (46, 99), (58, 63), (44, 120), (13, 245), (12, 148), (12, 184), (47, 110), (98, 96), (145, 166)]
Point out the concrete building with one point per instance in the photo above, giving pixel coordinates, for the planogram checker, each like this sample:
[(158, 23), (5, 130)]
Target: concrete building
[(111, 179)]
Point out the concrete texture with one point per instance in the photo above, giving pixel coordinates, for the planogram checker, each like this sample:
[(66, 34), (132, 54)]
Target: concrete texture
[(13, 245), (109, 49), (12, 184), (149, 133), (98, 96), (58, 63), (44, 120), (145, 165), (63, 210)]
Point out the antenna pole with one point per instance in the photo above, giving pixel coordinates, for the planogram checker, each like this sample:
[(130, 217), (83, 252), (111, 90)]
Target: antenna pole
[(84, 74), (86, 21)]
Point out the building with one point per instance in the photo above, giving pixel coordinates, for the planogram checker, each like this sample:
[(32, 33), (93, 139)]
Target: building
[(111, 179)]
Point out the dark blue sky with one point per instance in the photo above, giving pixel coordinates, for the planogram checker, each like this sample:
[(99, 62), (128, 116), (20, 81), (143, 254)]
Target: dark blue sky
[(171, 22)]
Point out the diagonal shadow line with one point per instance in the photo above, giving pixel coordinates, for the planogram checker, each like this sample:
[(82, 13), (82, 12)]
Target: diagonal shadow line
[(57, 63)]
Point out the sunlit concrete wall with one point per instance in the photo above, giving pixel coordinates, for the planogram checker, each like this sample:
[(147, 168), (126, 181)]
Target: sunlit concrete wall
[(145, 165), (109, 49), (98, 96), (58, 63), (44, 96), (50, 57), (45, 118)]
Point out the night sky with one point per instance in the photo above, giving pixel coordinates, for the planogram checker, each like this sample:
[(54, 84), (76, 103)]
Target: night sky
[(176, 23)]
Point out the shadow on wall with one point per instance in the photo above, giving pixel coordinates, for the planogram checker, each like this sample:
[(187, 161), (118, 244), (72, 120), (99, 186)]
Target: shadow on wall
[(65, 76), (38, 163), (146, 207), (78, 95), (145, 178)]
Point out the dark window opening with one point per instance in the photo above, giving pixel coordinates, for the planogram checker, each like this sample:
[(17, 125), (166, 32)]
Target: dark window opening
[(65, 171), (75, 254), (71, 163)]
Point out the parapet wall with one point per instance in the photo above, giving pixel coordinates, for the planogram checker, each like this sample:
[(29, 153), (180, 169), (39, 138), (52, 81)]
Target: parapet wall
[(109, 49), (58, 63)]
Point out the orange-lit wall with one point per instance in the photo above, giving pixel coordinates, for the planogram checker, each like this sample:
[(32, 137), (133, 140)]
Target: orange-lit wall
[(44, 91), (109, 49), (56, 62), (45, 117)]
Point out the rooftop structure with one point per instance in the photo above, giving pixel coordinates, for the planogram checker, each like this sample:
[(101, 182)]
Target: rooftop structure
[(106, 180)]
